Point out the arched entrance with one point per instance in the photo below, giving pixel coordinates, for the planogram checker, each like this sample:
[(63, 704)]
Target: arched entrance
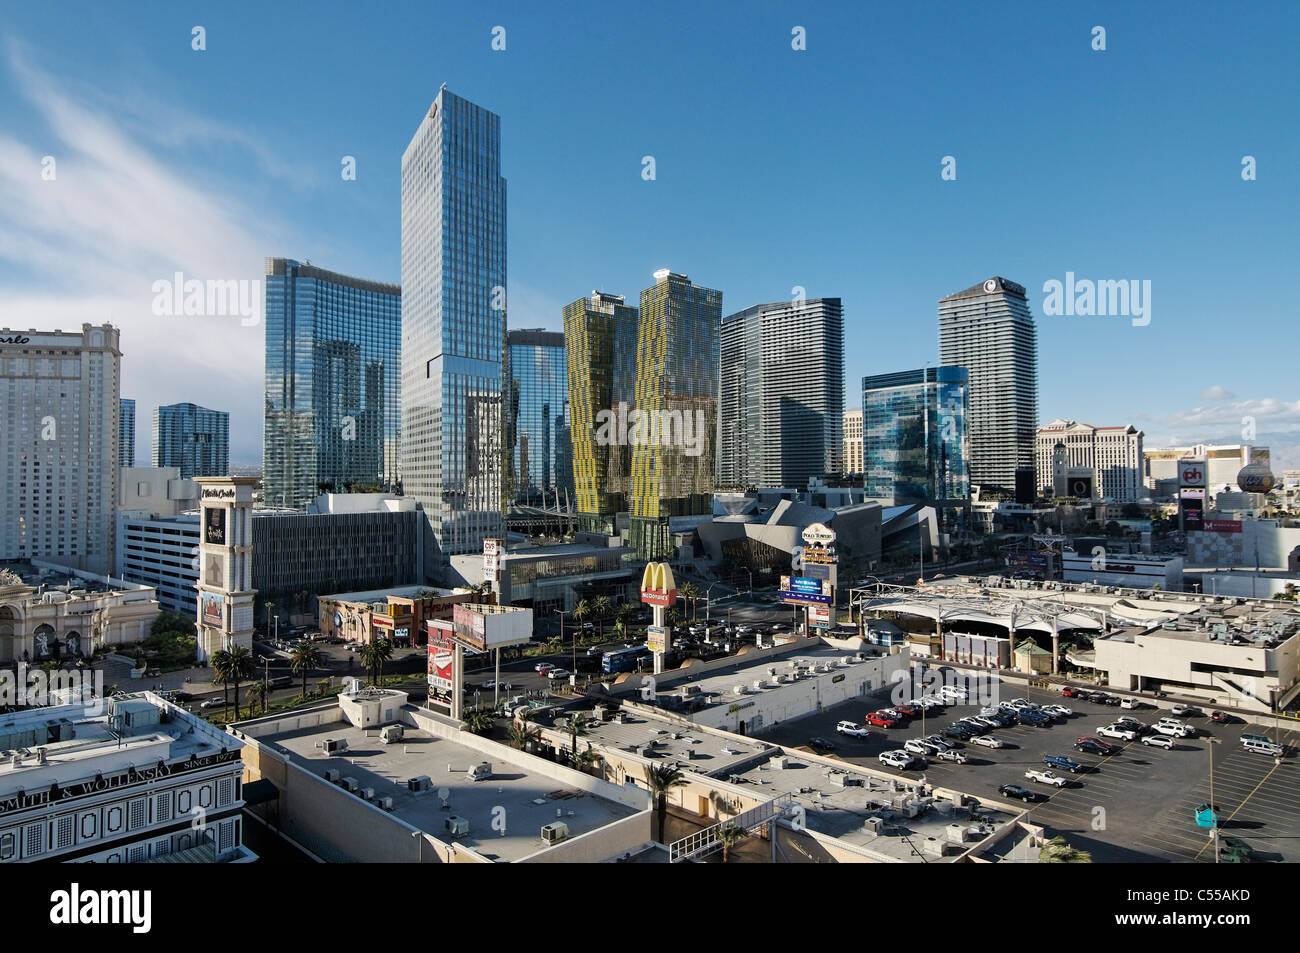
[(9, 619), (43, 642)]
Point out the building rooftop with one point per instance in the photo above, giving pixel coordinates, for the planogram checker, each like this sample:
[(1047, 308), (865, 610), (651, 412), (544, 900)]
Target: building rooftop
[(381, 595), (527, 800)]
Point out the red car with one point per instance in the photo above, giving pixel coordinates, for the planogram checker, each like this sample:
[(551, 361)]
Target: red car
[(1222, 717), (880, 721), (1069, 692), (909, 711)]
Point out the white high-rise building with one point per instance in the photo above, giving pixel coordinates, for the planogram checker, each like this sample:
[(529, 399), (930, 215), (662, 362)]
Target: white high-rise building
[(853, 441), (59, 445), (454, 323), (1113, 453), (989, 330)]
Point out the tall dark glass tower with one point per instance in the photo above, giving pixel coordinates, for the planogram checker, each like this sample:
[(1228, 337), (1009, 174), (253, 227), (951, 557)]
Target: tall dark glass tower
[(333, 390), (193, 438), (541, 455), (454, 322), (126, 432), (914, 441)]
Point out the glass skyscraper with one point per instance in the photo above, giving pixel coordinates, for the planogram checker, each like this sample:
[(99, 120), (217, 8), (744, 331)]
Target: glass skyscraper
[(454, 323), (193, 438), (677, 354), (541, 454), (989, 330), (914, 440), (333, 385), (126, 432), (600, 340), (781, 396)]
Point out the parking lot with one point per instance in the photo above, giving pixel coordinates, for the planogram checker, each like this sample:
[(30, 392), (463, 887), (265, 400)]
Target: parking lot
[(1136, 806)]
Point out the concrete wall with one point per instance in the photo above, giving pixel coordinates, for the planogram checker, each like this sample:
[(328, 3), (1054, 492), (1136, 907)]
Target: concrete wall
[(601, 845)]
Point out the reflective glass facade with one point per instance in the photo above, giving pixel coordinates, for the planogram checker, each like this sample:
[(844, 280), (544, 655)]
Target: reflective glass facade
[(454, 323), (126, 432), (600, 340), (914, 439), (677, 356), (333, 385), (191, 437), (541, 454)]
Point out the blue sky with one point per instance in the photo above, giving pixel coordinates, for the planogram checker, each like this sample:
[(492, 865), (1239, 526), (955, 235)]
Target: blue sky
[(775, 168)]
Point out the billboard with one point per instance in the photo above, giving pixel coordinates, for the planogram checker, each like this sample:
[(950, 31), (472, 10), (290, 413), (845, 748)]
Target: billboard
[(819, 617), (485, 627), (1222, 526), (214, 526), (658, 587), (211, 609), (805, 590), (1079, 486), (214, 570), (818, 534), (1193, 514), (1191, 473), (442, 661), (491, 557)]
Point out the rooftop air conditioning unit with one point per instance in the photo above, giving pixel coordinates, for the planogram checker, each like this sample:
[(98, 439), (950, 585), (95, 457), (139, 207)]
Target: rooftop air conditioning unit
[(758, 684), (385, 803), (422, 783), (351, 784), (391, 733), (368, 794), (455, 824), (335, 745), (332, 775), (779, 762), (480, 771), (555, 832)]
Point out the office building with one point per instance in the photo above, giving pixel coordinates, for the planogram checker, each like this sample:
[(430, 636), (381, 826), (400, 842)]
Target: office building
[(192, 438), (781, 393), (915, 440), (454, 322), (853, 441), (333, 384), (1113, 453), (989, 330), (59, 445), (541, 454), (131, 780), (600, 340), (676, 396), (126, 432)]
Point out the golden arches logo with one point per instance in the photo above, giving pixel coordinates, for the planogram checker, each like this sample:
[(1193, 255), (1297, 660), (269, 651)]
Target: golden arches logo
[(658, 576)]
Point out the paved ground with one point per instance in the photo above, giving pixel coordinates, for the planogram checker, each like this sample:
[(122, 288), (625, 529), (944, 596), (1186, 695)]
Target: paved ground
[(1135, 806)]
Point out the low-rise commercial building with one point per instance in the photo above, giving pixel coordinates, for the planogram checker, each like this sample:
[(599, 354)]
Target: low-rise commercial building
[(1130, 570), (398, 615)]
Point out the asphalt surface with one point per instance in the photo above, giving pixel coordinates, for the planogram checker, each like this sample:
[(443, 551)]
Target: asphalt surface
[(1135, 806)]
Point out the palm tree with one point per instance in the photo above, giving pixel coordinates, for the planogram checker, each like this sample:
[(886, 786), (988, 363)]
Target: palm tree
[(588, 759), (690, 592), (1058, 851), (479, 721), (269, 606), (625, 613), (603, 606), (256, 693), (577, 723), (662, 778), (374, 655), (305, 657), (241, 670), (581, 612), (521, 736), (221, 672), (729, 835)]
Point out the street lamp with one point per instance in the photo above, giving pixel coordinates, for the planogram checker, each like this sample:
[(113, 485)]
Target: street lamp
[(560, 613), (707, 603), (1214, 810)]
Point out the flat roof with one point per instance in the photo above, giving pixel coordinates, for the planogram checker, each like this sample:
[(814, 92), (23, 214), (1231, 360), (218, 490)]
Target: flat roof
[(379, 595), (722, 682), (530, 800)]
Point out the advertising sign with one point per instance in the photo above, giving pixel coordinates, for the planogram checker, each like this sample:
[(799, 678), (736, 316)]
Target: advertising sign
[(1193, 514), (491, 554), (214, 526), (658, 587), (469, 626), (656, 638), (819, 617), (1080, 487), (805, 590), (212, 606), (1191, 473), (1223, 526), (214, 570), (442, 662), (818, 534)]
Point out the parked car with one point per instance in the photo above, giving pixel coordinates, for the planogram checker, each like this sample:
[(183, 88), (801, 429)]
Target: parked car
[(1063, 762), (1117, 731), (1046, 777), (919, 747), (1130, 703), (541, 668), (952, 755), (958, 734), (1021, 793), (880, 721), (1186, 710), (930, 702), (908, 711), (988, 741), (1159, 741), (1069, 692), (820, 745), (212, 703), (1222, 717), (557, 673), (852, 729), (938, 741), (1059, 711), (1096, 746), (1175, 729), (897, 758), (1038, 719)]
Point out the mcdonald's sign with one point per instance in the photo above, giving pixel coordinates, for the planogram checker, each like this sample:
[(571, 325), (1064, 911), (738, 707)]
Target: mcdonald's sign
[(658, 587)]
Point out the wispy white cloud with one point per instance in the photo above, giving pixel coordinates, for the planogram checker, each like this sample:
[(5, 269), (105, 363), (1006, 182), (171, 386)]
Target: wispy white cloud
[(1217, 393), (126, 209)]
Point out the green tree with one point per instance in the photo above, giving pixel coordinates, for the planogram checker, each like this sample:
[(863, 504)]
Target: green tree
[(577, 724), (662, 778), (582, 612), (256, 693), (588, 759), (222, 673), (1058, 851), (691, 593), (602, 606), (233, 665), (374, 655), (305, 657), (479, 721), (521, 736), (729, 835)]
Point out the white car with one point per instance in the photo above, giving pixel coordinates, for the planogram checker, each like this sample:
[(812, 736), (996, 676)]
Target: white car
[(919, 747), (929, 701), (1185, 710), (1059, 710), (1046, 777), (1129, 703), (897, 759), (853, 729), (1117, 731), (557, 673), (1159, 741), (952, 755), (1019, 703), (1175, 730), (956, 694), (988, 741)]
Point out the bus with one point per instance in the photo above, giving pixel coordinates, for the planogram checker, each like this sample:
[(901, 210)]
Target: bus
[(623, 660)]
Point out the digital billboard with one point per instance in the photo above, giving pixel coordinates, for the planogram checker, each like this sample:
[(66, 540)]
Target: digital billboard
[(214, 526), (211, 609)]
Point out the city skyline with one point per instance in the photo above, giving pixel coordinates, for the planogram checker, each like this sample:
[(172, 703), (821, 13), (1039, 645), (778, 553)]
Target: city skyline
[(1074, 230)]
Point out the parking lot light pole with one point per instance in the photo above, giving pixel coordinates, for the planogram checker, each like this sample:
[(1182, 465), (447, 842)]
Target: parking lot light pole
[(1214, 811)]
